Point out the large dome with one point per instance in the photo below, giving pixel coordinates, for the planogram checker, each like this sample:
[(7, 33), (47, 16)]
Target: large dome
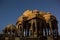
[(31, 14), (27, 13), (20, 18)]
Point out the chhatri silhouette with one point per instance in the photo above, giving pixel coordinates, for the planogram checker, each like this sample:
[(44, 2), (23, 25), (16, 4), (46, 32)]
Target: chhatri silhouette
[(33, 24)]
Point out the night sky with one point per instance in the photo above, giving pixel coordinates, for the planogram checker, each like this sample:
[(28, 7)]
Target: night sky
[(10, 10)]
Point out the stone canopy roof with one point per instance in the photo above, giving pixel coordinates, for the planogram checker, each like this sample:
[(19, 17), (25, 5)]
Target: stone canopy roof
[(10, 27), (31, 14)]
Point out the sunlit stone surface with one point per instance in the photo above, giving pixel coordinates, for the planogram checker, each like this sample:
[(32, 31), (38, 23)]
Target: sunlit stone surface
[(33, 25)]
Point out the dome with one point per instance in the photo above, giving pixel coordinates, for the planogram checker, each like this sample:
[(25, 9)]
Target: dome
[(53, 18), (47, 17), (9, 27), (30, 14), (35, 11), (20, 18), (27, 13), (42, 13)]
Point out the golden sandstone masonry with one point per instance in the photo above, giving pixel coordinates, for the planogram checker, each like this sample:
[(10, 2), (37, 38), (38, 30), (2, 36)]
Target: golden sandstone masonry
[(34, 24)]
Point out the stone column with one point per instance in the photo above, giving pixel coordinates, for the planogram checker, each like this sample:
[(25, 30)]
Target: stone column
[(32, 27), (35, 33), (50, 27)]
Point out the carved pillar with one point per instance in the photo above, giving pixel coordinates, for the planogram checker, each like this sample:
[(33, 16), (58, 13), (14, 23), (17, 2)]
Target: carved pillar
[(35, 28), (32, 27), (20, 30), (50, 27), (55, 30), (40, 28)]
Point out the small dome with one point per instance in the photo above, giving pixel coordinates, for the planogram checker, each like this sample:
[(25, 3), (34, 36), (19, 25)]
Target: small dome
[(47, 17), (20, 18), (27, 13), (9, 27), (35, 11), (42, 13)]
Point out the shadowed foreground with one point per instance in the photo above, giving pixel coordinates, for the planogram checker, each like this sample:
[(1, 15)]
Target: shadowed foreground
[(25, 38)]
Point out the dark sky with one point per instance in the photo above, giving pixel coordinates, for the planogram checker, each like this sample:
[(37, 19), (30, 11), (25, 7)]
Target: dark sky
[(10, 10)]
